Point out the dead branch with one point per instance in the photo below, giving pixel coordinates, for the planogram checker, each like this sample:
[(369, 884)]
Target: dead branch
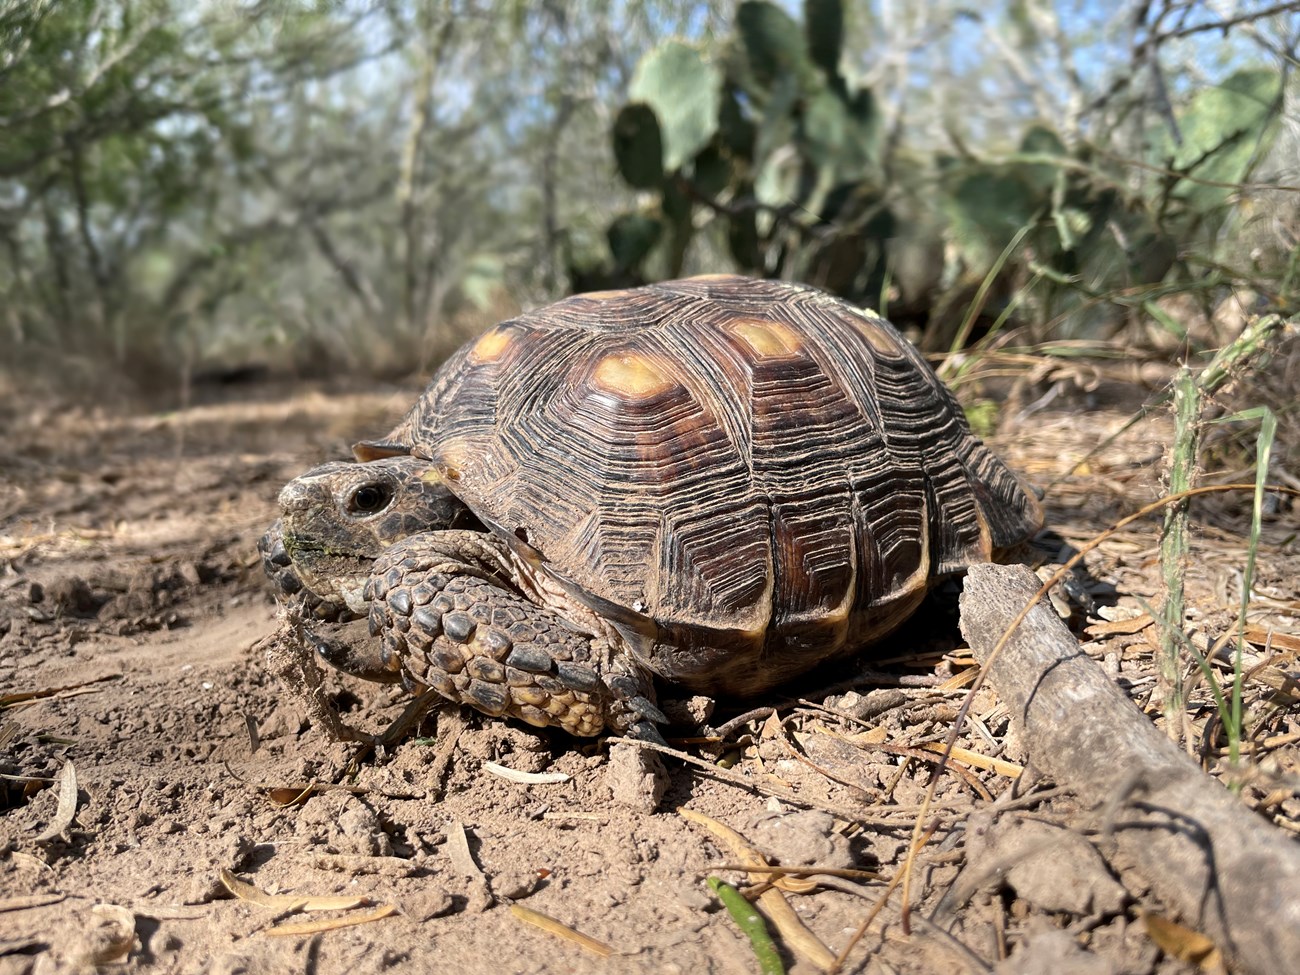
[(1218, 866)]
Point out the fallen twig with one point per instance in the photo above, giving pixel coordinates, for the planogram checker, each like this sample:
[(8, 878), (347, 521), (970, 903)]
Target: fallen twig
[(1220, 868)]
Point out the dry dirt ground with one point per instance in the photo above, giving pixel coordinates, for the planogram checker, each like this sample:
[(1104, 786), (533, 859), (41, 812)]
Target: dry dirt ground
[(131, 600)]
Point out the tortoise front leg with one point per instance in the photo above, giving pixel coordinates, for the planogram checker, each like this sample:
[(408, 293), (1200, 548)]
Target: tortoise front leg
[(448, 619)]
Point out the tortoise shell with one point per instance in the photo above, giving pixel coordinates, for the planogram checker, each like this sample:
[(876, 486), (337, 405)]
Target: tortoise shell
[(744, 477)]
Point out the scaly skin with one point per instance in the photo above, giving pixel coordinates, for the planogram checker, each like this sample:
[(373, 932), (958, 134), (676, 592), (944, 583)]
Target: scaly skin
[(448, 601)]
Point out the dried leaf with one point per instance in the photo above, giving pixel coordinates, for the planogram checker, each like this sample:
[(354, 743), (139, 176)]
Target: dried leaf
[(67, 809), (551, 926), (1262, 637), (458, 851), (285, 902), (330, 923), (526, 778), (291, 795), (1279, 681), (1182, 942), (1119, 627)]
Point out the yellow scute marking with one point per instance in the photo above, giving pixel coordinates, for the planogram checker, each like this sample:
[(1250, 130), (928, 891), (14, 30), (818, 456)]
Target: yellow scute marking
[(880, 339), (491, 344), (631, 374), (766, 340)]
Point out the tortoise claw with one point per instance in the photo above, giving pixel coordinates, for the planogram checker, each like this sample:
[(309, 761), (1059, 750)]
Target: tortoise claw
[(645, 730), (647, 709), (349, 647)]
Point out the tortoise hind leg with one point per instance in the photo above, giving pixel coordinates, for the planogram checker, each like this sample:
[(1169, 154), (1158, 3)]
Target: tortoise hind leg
[(440, 603)]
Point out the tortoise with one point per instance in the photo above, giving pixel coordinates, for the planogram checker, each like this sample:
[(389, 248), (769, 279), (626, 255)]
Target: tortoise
[(718, 481)]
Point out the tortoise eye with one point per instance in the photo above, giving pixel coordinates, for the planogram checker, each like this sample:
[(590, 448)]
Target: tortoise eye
[(370, 498)]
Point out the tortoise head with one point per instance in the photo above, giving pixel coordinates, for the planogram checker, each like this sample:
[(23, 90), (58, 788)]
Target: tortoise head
[(336, 519)]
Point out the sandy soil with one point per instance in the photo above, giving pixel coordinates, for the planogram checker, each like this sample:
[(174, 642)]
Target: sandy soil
[(131, 600)]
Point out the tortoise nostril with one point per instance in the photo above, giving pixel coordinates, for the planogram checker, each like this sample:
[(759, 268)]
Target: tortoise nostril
[(296, 495)]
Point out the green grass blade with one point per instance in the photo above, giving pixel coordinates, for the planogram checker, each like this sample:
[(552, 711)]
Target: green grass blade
[(751, 923), (1267, 433), (982, 293)]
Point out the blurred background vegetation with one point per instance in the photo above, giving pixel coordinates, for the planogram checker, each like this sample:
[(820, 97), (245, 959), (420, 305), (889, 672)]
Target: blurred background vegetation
[(193, 187)]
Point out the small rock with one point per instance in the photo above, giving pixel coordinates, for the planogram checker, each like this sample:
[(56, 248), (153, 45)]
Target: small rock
[(636, 777), (71, 596), (1054, 869), (430, 901), (515, 883), (805, 836), (691, 712), (359, 831), (1049, 949)]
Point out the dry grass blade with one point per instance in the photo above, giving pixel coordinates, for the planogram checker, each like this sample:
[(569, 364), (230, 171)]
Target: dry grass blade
[(17, 698), (526, 778), (356, 864), (551, 926), (67, 809), (868, 741), (296, 793), (287, 902), (41, 780), (808, 870), (329, 923), (872, 914), (740, 846), (29, 901), (792, 930), (976, 760), (1173, 543)]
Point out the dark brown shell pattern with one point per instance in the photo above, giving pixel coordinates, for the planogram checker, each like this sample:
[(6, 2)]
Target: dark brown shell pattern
[(747, 476)]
